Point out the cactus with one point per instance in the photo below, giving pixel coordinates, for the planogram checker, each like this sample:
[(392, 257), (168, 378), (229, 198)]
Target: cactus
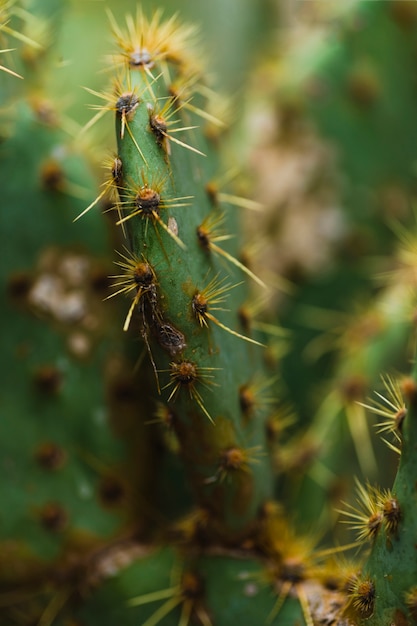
[(176, 228), (144, 416)]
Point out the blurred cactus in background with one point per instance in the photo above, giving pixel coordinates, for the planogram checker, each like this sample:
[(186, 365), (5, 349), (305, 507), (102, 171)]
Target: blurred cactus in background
[(208, 313)]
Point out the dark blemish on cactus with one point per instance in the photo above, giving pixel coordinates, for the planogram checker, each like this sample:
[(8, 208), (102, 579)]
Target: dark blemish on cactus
[(192, 586), (293, 570), (203, 238), (363, 87), (399, 618), (244, 319), (409, 389), (212, 193), (48, 379), (19, 285), (111, 491), (404, 13), (246, 399), (123, 391), (52, 176), (99, 280), (169, 338), (53, 517), (353, 388), (50, 456)]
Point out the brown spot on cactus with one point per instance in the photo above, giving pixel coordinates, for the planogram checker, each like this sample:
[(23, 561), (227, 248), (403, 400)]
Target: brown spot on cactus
[(404, 13), (213, 193), (293, 569), (53, 517), (50, 456), (99, 279), (52, 176), (48, 379), (246, 400), (169, 338), (111, 491), (353, 388), (192, 586), (245, 318), (123, 390), (363, 87), (19, 285), (409, 389)]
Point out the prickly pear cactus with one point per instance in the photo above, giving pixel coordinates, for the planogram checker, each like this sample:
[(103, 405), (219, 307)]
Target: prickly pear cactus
[(181, 266), (143, 424)]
